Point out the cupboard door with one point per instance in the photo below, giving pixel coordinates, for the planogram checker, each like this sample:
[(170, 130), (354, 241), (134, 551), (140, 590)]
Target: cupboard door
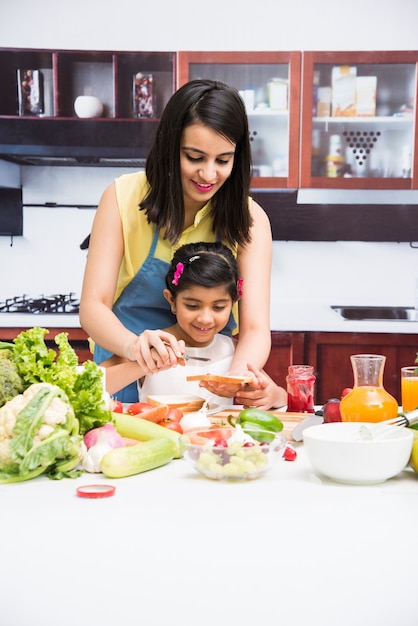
[(359, 113), (269, 83), (330, 353), (286, 349)]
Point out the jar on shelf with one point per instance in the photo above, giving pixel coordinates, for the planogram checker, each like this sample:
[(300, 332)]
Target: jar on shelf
[(368, 401), (277, 90), (335, 161)]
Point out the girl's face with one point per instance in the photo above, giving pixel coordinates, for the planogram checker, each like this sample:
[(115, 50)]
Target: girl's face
[(201, 313), (206, 161)]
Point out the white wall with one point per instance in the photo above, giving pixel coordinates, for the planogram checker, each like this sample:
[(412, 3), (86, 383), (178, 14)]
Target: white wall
[(48, 258)]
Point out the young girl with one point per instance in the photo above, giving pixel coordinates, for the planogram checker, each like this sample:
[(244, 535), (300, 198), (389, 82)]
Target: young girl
[(202, 285)]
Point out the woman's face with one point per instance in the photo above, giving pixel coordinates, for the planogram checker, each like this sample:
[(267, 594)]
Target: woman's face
[(201, 312), (206, 161)]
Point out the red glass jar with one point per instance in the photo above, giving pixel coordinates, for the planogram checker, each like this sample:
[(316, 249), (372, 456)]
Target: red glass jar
[(300, 389)]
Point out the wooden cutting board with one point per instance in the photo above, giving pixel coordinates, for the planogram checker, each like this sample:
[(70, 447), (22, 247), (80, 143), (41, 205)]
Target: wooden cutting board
[(290, 420)]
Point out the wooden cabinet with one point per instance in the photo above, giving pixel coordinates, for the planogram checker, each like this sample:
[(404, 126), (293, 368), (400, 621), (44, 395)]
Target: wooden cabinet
[(269, 83), (76, 336), (329, 353), (38, 89), (286, 349), (359, 116)]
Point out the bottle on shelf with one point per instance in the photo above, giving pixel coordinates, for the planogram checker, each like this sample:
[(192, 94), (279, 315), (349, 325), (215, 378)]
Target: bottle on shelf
[(335, 160)]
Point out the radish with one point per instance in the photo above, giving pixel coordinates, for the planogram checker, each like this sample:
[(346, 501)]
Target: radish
[(111, 436)]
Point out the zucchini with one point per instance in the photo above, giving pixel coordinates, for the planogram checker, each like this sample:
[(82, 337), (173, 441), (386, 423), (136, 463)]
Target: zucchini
[(143, 430), (127, 461)]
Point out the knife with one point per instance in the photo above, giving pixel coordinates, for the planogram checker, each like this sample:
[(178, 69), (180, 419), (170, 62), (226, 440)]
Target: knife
[(188, 357)]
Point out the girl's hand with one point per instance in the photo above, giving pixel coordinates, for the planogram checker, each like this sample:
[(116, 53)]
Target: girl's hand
[(266, 396), (155, 350)]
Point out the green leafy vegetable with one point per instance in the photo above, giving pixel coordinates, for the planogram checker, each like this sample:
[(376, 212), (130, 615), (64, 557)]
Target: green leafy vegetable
[(36, 363)]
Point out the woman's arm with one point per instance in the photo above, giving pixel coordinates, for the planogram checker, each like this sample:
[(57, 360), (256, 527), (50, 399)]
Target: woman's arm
[(99, 287), (121, 372), (254, 262), (254, 341)]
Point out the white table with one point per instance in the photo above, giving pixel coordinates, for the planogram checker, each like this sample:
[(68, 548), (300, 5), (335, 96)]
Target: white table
[(171, 547)]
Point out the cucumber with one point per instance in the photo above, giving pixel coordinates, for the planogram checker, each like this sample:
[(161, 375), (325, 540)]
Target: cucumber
[(143, 430), (127, 461)]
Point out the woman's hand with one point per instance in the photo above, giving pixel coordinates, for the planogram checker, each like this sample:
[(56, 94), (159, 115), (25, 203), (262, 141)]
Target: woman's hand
[(155, 350), (265, 396)]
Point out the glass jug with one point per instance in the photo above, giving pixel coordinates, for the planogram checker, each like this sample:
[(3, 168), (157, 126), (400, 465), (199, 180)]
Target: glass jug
[(368, 401), (300, 389)]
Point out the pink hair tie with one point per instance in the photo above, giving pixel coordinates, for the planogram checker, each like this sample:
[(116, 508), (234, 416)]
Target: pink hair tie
[(177, 274), (239, 286)]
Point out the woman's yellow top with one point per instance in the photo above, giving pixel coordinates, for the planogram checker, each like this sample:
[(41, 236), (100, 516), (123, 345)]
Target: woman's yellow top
[(138, 233)]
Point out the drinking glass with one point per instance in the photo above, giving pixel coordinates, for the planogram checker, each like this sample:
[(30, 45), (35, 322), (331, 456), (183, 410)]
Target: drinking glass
[(409, 387)]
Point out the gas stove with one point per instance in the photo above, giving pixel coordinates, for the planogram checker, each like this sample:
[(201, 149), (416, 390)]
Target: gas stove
[(54, 304)]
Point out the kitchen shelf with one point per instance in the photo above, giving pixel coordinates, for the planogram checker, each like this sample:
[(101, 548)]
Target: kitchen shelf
[(274, 132), (67, 74)]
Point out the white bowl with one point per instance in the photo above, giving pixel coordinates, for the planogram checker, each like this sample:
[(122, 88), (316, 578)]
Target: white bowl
[(88, 106), (336, 451)]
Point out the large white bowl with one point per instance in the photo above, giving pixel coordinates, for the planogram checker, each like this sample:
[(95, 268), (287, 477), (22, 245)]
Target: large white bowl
[(336, 451)]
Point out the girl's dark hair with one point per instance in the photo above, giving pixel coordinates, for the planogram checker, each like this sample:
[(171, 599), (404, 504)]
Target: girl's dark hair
[(220, 108), (204, 264)]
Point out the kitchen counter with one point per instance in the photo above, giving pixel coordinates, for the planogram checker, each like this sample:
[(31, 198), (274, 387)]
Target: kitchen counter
[(285, 316), (318, 317), (171, 547)]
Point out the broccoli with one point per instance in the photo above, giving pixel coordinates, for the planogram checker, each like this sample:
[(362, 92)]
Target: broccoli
[(11, 384)]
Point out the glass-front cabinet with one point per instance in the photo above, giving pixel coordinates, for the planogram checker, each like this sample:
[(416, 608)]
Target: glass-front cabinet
[(269, 84), (359, 120)]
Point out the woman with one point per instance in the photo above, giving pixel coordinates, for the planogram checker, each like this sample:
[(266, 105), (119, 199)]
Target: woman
[(195, 188)]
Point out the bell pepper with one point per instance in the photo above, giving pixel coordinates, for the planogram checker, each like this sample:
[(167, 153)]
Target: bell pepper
[(258, 423)]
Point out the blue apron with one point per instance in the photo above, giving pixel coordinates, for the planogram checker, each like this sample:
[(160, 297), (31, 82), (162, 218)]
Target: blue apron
[(142, 305)]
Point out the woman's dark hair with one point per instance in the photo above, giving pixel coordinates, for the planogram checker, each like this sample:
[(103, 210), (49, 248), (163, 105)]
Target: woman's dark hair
[(205, 264), (220, 108)]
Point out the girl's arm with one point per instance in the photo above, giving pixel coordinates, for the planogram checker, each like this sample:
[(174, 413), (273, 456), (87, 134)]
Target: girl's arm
[(267, 395)]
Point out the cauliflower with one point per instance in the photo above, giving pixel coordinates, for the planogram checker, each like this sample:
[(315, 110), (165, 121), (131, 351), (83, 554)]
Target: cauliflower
[(11, 383), (37, 429)]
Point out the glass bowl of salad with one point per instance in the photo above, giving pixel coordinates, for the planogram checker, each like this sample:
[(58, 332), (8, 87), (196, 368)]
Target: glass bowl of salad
[(227, 453)]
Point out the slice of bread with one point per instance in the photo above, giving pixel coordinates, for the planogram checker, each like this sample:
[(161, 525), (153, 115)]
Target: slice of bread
[(187, 403), (226, 380)]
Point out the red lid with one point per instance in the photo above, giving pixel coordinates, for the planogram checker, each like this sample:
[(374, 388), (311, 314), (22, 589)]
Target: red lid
[(96, 491)]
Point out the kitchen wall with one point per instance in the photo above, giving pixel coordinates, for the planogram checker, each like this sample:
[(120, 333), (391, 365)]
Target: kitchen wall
[(48, 258)]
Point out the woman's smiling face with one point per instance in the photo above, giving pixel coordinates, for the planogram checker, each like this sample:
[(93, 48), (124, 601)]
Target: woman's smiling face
[(206, 161)]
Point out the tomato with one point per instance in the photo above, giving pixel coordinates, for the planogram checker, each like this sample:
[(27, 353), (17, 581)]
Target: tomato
[(116, 406), (139, 407), (149, 412), (172, 425), (289, 454), (174, 414)]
